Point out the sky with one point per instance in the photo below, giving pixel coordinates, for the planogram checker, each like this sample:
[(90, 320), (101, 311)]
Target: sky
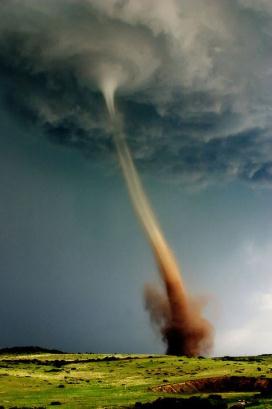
[(193, 83)]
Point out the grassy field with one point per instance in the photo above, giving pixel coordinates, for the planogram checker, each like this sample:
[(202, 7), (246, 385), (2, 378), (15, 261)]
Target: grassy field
[(112, 381)]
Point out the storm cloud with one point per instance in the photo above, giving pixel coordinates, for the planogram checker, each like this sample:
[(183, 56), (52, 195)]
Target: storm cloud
[(194, 80)]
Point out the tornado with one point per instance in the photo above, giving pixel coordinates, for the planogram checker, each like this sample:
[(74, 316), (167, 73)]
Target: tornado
[(178, 316)]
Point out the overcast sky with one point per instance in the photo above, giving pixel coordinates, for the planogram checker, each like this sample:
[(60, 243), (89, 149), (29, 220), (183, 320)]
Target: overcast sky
[(194, 89)]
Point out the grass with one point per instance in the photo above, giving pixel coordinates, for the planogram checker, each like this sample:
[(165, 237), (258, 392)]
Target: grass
[(91, 381)]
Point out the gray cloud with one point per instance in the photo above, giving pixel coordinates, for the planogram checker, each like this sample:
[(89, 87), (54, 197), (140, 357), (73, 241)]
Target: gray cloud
[(194, 80)]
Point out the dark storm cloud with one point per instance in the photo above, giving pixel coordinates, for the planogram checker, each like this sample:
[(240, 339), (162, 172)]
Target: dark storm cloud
[(194, 80)]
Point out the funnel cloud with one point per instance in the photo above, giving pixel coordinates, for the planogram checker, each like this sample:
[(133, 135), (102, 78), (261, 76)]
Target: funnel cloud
[(184, 329)]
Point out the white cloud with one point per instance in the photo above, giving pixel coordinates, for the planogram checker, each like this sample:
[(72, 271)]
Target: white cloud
[(258, 258), (264, 301), (254, 334), (245, 327), (253, 337)]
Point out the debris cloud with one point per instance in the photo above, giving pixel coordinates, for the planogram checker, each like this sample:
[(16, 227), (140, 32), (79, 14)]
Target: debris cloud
[(183, 328)]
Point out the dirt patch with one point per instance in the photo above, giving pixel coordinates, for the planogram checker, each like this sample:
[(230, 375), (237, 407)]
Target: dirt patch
[(218, 384)]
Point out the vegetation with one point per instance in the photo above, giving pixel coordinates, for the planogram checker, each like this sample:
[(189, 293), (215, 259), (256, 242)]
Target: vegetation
[(44, 380)]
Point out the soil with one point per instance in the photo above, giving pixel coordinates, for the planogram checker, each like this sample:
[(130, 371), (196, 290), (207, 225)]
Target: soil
[(218, 385)]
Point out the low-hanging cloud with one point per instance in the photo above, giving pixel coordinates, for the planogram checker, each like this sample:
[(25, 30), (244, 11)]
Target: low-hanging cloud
[(194, 79)]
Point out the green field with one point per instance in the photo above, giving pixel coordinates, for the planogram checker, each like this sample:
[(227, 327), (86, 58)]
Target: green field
[(112, 381)]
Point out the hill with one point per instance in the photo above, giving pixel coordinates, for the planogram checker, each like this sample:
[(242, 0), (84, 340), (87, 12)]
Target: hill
[(41, 379)]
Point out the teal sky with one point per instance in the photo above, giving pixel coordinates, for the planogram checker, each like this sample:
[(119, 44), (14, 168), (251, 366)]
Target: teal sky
[(74, 259)]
